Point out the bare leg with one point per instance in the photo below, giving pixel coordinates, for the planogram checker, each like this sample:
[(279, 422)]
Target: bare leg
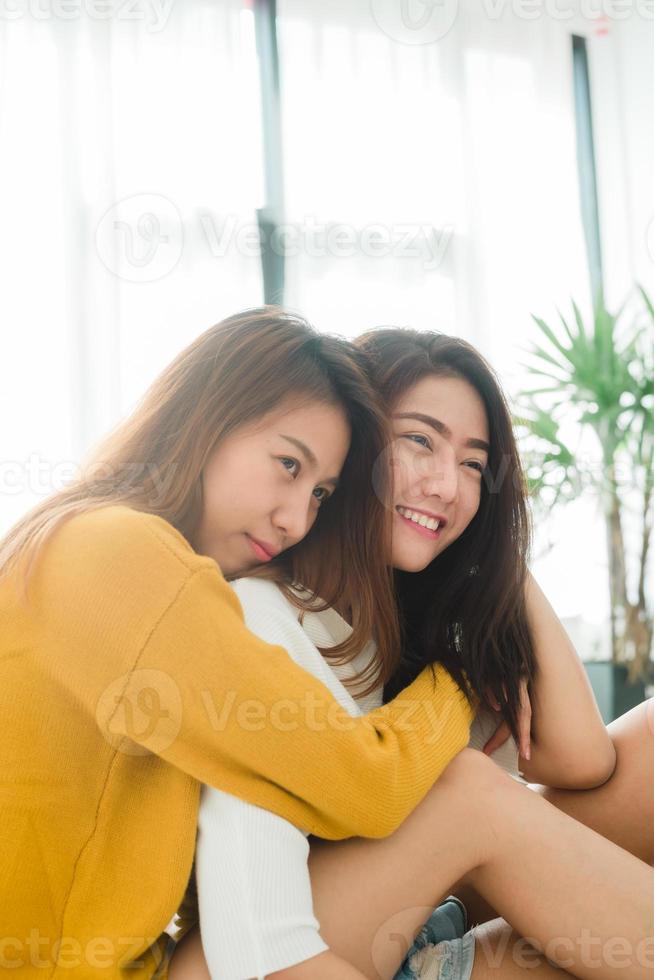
[(550, 877), (501, 954), (554, 880), (188, 961), (622, 810)]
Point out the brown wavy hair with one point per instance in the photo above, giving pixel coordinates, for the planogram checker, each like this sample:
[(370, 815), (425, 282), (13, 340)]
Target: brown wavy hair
[(232, 374), (466, 610)]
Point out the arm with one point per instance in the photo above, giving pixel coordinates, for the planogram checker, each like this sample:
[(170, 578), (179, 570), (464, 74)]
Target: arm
[(157, 652), (572, 748), (242, 717)]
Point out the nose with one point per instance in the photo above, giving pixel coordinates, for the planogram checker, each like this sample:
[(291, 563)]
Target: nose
[(294, 517), (440, 477)]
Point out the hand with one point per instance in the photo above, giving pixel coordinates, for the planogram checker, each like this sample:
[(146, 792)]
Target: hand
[(503, 731)]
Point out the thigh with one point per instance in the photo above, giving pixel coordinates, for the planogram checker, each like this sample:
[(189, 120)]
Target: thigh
[(371, 897), (370, 903), (622, 810), (501, 954)]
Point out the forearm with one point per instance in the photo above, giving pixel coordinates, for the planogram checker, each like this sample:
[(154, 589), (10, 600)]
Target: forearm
[(571, 747), (250, 721)]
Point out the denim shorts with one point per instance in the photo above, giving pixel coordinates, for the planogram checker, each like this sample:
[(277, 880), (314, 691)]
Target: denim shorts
[(444, 949)]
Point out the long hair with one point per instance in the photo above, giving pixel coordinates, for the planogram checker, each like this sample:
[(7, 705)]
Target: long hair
[(229, 376), (466, 610)]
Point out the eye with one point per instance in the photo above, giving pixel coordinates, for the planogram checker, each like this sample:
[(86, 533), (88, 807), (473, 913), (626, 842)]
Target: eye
[(324, 494), (285, 460), (476, 465), (419, 440)]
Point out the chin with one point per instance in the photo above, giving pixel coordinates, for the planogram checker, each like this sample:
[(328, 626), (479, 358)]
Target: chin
[(412, 563)]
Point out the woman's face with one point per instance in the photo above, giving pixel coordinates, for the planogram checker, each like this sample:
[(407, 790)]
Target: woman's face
[(439, 450), (263, 484)]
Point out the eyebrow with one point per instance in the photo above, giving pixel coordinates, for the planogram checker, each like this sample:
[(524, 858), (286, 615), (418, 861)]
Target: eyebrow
[(309, 455), (441, 428)]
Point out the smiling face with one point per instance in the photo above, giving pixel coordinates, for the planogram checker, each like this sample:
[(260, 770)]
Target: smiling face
[(263, 484), (439, 451)]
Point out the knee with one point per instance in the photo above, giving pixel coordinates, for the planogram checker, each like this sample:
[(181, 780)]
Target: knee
[(472, 767), (473, 794), (476, 777)]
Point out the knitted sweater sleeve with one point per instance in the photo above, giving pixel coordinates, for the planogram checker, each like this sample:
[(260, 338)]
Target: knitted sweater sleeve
[(238, 714), (157, 647)]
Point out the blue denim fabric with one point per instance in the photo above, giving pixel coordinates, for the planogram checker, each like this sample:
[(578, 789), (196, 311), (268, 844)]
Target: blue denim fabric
[(443, 949)]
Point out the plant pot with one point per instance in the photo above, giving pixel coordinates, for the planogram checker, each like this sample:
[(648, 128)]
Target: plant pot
[(613, 693)]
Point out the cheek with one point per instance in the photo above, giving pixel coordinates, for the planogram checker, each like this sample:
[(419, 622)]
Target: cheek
[(401, 467)]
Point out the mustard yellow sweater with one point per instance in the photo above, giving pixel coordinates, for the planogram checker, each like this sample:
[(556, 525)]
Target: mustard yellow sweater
[(129, 680)]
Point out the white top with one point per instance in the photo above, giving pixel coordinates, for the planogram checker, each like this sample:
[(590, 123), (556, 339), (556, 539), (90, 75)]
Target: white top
[(254, 889)]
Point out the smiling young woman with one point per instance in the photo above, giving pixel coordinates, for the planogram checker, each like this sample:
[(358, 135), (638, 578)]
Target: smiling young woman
[(451, 487)]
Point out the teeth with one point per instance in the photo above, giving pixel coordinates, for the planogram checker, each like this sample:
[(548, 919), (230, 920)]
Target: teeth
[(429, 522)]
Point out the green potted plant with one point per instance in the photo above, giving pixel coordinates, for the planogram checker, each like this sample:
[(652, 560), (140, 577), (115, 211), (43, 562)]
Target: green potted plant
[(601, 376)]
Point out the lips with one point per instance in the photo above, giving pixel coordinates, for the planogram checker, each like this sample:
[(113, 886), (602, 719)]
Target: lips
[(432, 533), (263, 549)]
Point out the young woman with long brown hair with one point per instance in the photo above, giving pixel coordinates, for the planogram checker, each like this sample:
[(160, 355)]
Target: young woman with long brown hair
[(129, 677), (460, 541)]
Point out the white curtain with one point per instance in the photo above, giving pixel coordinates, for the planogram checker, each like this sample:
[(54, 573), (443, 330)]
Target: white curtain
[(447, 165), (130, 160), (431, 181)]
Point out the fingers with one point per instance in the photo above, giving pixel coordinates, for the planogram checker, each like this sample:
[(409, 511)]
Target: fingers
[(500, 736), (492, 699), (524, 722)]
